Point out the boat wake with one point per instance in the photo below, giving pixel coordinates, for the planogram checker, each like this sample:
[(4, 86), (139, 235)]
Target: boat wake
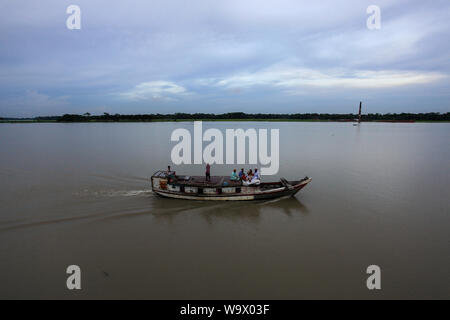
[(130, 193), (114, 193)]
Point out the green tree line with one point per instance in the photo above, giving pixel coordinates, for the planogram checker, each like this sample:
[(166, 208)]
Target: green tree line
[(431, 116), (87, 117)]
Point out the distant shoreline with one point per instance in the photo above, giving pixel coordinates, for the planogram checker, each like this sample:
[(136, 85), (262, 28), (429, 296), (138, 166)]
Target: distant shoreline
[(221, 120), (237, 117)]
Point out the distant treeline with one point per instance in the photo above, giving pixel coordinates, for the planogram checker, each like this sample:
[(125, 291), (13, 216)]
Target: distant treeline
[(432, 116), (87, 117)]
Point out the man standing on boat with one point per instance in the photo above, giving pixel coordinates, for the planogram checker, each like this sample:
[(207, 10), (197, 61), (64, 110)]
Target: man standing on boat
[(208, 172)]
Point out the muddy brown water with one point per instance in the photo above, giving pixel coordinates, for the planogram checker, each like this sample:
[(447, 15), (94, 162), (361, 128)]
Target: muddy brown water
[(80, 194)]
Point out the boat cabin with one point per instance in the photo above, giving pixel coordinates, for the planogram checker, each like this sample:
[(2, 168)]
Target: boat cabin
[(167, 180)]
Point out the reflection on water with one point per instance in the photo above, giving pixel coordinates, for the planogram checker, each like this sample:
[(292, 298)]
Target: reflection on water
[(80, 194), (162, 208), (169, 208)]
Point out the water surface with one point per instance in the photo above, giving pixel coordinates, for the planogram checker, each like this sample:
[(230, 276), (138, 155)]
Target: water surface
[(80, 194)]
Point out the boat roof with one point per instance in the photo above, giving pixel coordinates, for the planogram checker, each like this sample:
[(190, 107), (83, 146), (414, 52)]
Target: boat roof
[(199, 181)]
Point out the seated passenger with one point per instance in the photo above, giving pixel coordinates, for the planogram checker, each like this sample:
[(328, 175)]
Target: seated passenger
[(249, 175), (257, 176), (242, 174), (253, 179), (234, 175)]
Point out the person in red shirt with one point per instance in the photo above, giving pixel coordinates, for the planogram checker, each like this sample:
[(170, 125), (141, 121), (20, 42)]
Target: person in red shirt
[(242, 175)]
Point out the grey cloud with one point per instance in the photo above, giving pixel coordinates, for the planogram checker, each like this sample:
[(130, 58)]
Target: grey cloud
[(125, 44)]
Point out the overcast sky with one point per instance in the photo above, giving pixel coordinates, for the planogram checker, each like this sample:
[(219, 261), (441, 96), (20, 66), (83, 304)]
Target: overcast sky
[(223, 56)]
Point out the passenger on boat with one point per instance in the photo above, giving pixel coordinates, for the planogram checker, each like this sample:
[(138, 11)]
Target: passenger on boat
[(234, 176), (242, 174), (208, 172), (256, 179), (252, 178), (169, 171), (257, 176), (171, 177), (249, 175)]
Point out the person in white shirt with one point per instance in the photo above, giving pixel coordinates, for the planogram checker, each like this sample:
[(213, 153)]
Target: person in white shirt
[(256, 175)]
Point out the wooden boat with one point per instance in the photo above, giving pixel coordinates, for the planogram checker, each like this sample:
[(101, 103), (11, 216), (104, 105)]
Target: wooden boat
[(167, 184)]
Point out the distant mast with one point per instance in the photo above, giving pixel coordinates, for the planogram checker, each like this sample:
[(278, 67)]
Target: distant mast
[(359, 113)]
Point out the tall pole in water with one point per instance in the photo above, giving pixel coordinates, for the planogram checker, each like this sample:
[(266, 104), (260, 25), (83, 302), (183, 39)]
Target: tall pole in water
[(359, 114)]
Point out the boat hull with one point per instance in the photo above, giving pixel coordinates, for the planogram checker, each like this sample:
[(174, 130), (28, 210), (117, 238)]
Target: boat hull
[(269, 194)]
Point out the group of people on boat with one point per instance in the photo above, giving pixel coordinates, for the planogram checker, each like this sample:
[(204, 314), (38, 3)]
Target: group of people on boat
[(250, 177)]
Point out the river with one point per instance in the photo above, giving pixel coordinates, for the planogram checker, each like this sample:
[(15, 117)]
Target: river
[(79, 194)]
